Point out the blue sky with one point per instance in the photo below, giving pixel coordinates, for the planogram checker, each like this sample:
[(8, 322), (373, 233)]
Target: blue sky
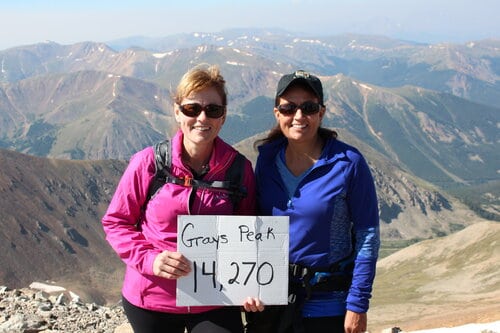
[(31, 21)]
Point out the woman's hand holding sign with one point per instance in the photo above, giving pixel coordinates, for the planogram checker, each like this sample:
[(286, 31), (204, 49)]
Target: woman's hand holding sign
[(253, 305), (171, 265)]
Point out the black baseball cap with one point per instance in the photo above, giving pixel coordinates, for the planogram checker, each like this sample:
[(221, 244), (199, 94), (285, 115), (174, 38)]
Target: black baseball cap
[(312, 81)]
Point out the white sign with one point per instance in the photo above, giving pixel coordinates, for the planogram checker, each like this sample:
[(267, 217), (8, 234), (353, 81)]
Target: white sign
[(233, 257)]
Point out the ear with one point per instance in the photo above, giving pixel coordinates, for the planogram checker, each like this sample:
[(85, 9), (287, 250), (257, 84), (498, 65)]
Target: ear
[(177, 112), (276, 114), (322, 112)]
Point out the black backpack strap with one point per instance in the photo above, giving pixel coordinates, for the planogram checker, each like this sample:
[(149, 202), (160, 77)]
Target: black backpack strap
[(234, 175), (163, 162), (163, 157)]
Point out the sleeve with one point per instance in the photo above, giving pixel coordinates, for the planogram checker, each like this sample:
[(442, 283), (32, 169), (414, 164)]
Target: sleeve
[(247, 204), (120, 222), (364, 211)]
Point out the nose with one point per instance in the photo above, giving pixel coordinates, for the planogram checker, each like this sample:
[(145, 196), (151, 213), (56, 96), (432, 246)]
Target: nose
[(298, 113), (202, 115)]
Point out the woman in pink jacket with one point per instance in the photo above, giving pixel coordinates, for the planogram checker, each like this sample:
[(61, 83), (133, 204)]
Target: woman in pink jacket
[(146, 239)]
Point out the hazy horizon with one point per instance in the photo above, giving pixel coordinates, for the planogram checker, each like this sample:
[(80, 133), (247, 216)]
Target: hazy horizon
[(66, 22)]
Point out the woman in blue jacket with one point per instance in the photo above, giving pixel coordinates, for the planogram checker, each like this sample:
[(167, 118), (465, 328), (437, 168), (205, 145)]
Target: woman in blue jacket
[(326, 188)]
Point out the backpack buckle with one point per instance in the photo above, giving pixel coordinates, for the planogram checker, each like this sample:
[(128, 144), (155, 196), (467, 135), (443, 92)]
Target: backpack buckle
[(188, 181)]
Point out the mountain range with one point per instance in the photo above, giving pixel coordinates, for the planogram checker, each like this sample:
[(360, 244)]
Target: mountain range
[(425, 116), (432, 108)]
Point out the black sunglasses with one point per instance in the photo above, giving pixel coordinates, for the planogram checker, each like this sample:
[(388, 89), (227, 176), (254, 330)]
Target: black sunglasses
[(307, 108), (211, 110)]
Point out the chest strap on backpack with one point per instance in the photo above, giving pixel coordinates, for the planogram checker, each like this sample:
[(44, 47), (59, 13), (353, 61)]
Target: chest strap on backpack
[(192, 182), (233, 184)]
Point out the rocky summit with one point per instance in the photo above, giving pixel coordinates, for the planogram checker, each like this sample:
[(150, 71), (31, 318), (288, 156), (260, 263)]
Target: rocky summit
[(29, 310)]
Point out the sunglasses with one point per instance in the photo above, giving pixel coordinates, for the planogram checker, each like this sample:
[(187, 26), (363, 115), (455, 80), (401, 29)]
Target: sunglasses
[(211, 110), (307, 108)]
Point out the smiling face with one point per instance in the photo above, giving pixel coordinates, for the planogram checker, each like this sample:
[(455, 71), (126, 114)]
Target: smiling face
[(200, 130), (298, 126)]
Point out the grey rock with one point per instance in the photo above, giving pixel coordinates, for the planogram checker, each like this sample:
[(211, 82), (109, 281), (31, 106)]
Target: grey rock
[(28, 311)]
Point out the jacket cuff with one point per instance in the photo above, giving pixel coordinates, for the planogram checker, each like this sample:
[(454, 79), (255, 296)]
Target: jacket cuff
[(149, 259)]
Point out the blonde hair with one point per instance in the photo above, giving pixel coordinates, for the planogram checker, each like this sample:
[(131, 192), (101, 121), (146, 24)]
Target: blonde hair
[(198, 78)]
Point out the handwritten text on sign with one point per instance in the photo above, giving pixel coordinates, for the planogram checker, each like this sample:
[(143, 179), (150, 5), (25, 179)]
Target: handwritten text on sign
[(233, 257)]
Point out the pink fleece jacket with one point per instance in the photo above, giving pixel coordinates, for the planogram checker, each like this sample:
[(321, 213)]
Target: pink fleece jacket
[(157, 231)]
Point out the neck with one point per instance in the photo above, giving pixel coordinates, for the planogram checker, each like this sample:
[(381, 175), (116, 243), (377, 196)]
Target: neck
[(301, 156), (305, 150), (197, 156)]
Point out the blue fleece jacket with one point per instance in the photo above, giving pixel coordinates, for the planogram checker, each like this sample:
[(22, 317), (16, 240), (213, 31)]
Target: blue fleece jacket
[(333, 214)]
